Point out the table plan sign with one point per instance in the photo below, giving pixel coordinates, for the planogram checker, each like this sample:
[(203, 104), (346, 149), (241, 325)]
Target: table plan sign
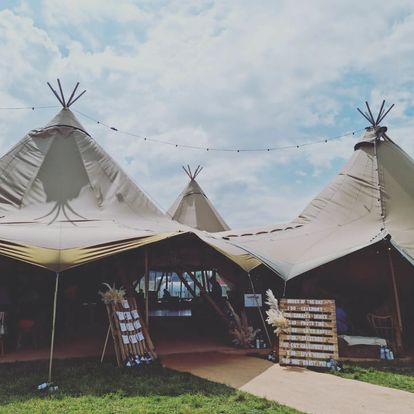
[(131, 338), (311, 339)]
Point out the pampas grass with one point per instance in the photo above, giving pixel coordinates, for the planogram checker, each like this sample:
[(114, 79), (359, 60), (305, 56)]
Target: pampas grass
[(243, 335), (275, 316), (112, 295)]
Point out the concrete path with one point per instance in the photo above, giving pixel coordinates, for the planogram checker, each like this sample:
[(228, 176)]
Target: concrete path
[(305, 390)]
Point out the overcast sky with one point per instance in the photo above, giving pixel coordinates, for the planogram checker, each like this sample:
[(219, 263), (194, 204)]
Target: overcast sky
[(218, 74)]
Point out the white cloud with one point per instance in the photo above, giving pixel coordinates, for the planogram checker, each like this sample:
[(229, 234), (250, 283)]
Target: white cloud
[(80, 12), (216, 74)]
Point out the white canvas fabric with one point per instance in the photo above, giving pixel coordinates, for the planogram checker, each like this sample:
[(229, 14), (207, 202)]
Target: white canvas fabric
[(64, 201), (194, 209), (371, 197)]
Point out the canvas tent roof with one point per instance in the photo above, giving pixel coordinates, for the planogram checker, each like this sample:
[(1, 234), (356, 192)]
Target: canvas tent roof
[(64, 201), (371, 198), (193, 208)]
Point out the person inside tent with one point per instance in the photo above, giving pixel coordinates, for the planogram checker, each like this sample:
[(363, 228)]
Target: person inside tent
[(216, 291), (166, 294)]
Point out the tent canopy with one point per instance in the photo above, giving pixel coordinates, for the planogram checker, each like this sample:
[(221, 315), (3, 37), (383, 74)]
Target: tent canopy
[(371, 198), (64, 201)]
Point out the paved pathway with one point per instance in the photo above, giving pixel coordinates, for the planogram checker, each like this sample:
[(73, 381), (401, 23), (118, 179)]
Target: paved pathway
[(305, 390)]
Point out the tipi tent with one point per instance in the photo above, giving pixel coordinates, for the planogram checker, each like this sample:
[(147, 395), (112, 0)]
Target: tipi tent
[(64, 201), (370, 201), (193, 208), (372, 198)]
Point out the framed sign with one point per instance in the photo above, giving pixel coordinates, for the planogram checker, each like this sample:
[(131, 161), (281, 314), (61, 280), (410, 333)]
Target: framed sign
[(251, 300), (311, 339)]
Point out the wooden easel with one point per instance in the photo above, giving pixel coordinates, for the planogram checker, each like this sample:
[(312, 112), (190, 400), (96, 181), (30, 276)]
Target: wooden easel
[(129, 331)]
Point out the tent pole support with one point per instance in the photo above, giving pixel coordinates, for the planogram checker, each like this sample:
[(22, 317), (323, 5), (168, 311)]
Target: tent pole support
[(399, 325), (146, 276), (260, 311), (186, 284), (52, 341), (159, 284), (105, 344), (203, 279)]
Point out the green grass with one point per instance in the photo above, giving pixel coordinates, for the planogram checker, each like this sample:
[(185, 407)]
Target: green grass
[(85, 386), (396, 374)]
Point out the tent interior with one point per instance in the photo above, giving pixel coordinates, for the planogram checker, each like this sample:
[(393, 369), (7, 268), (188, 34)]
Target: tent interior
[(181, 315), (362, 284)]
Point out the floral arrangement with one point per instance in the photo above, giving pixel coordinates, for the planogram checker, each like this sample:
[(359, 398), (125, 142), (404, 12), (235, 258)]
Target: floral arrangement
[(243, 334), (275, 316), (112, 295)]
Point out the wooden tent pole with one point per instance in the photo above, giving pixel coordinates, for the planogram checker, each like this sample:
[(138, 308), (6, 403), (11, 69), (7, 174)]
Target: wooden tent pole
[(260, 311), (203, 279), (186, 284), (159, 285), (146, 276), (52, 342), (399, 325)]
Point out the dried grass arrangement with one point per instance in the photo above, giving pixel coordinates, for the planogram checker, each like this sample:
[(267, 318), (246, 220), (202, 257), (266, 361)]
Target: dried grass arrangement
[(275, 316), (112, 295), (243, 334)]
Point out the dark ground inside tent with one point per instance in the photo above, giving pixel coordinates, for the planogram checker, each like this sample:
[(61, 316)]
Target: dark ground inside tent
[(170, 334), (176, 324)]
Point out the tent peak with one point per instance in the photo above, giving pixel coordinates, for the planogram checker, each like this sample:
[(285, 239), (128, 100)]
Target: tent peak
[(192, 175), (371, 135), (381, 114), (61, 97)]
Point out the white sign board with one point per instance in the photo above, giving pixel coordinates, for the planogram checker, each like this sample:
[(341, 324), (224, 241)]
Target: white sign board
[(250, 301)]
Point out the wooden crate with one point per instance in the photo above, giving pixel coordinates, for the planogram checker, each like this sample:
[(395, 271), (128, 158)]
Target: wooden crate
[(311, 339)]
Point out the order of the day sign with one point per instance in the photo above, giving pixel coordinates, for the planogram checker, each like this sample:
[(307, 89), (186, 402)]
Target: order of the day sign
[(252, 300)]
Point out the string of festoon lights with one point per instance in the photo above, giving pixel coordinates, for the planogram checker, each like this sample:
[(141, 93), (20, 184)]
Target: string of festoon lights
[(115, 129)]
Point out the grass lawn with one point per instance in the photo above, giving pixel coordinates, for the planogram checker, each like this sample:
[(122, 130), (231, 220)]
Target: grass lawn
[(85, 386), (395, 374)]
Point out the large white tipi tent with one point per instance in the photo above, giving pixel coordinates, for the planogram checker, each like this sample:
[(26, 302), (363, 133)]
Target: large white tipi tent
[(193, 208), (371, 199), (64, 202)]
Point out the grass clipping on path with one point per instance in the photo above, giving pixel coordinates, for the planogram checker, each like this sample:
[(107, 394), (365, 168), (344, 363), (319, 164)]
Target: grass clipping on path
[(85, 386)]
